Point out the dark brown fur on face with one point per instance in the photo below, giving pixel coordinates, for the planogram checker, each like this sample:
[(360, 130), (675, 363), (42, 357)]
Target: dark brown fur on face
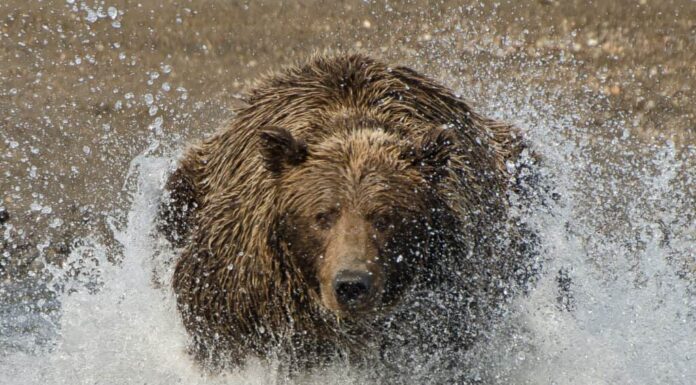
[(343, 186)]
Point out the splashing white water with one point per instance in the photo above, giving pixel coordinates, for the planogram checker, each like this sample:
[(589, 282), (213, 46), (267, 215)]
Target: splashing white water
[(127, 331), (632, 318)]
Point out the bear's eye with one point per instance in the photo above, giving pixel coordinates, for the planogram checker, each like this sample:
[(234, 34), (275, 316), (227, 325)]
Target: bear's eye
[(324, 220), (382, 222)]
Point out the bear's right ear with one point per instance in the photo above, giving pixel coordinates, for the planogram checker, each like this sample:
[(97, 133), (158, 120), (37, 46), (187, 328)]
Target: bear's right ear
[(280, 149)]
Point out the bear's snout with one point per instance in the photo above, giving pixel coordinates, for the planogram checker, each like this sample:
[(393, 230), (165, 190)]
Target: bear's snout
[(351, 273), (353, 288)]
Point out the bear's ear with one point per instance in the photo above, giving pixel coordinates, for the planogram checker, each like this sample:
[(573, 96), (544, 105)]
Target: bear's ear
[(280, 149), (432, 152)]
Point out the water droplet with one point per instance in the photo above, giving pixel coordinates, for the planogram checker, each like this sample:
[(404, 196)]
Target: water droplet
[(112, 12), (55, 223), (91, 16)]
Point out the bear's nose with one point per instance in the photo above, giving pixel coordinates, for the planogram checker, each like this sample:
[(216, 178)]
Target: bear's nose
[(352, 287)]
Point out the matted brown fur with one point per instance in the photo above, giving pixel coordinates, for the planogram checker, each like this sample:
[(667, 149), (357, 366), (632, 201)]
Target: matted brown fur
[(237, 291)]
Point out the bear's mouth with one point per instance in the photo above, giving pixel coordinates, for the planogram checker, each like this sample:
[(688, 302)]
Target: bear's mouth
[(368, 305), (357, 310), (353, 292)]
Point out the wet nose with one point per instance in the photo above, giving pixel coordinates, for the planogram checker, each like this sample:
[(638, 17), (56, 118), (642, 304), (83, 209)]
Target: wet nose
[(352, 287)]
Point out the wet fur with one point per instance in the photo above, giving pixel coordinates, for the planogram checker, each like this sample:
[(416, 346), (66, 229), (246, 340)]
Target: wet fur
[(236, 291)]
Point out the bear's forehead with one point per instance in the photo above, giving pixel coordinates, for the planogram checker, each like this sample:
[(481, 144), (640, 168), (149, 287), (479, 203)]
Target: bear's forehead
[(363, 198), (365, 169), (362, 169), (357, 176), (366, 158), (358, 149)]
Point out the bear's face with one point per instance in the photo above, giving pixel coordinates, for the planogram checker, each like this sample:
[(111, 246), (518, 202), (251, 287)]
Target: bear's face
[(356, 213)]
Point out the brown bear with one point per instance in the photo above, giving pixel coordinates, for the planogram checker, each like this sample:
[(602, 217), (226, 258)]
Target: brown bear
[(348, 208)]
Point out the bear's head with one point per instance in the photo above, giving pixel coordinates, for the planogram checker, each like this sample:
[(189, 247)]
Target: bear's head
[(357, 209)]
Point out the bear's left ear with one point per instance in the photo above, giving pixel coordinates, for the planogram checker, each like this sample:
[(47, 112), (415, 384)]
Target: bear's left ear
[(280, 149), (432, 152)]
